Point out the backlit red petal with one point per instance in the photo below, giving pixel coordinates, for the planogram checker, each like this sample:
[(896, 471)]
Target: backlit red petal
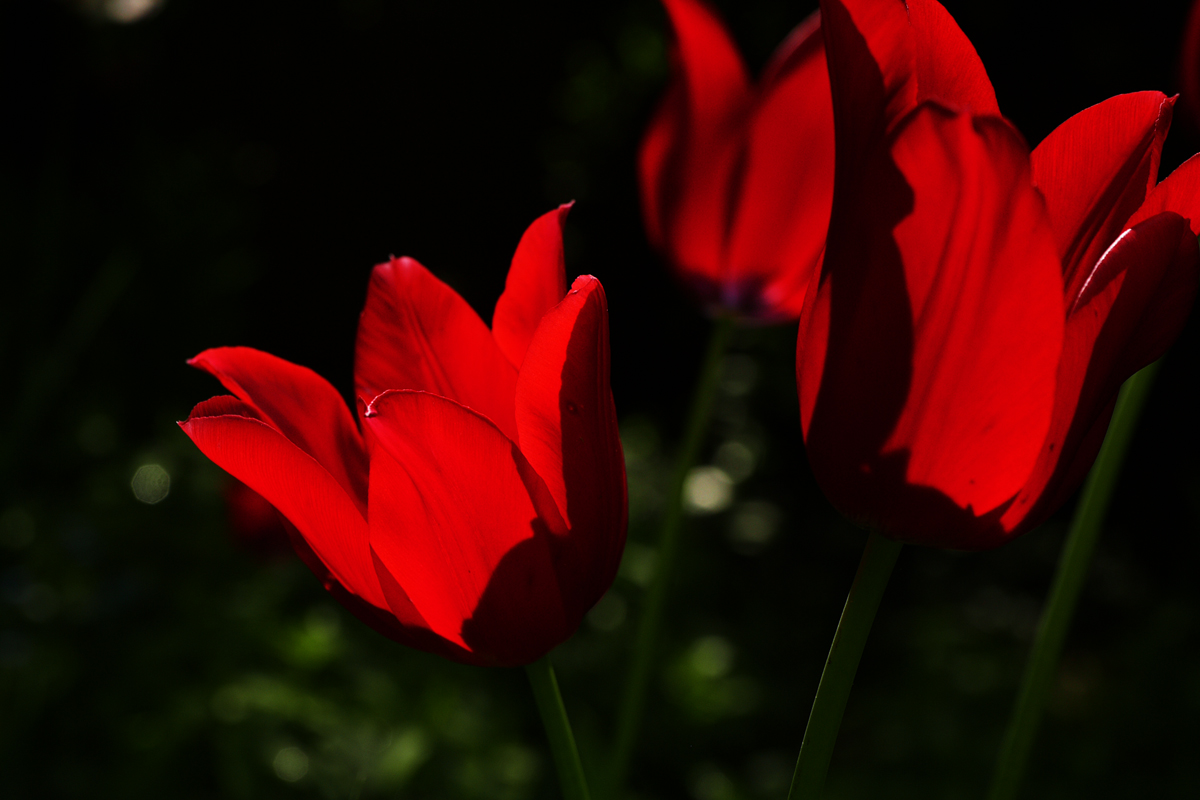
[(301, 405), (1132, 306), (870, 49), (230, 433), (417, 333), (537, 281), (690, 150), (405, 627), (1179, 192), (928, 371), (784, 188), (464, 525), (1095, 170), (568, 427), (656, 165), (948, 68)]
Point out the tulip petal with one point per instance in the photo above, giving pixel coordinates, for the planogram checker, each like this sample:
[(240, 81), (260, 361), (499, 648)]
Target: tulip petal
[(948, 68), (1179, 192), (689, 151), (656, 163), (405, 624), (301, 405), (463, 524), (537, 281), (781, 208), (869, 46), (710, 67), (927, 369), (398, 620), (1133, 304), (417, 333), (1095, 170), (231, 433), (568, 426), (982, 279)]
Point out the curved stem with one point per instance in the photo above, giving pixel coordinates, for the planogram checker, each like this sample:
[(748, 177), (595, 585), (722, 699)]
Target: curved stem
[(629, 715), (558, 729), (833, 691), (1073, 565)]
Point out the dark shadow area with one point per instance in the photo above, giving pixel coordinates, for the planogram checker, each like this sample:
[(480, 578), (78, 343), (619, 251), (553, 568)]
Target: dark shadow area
[(866, 358), (507, 627)]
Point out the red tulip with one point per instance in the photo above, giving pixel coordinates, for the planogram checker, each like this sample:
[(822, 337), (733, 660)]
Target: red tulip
[(979, 306), (482, 509), (737, 180)]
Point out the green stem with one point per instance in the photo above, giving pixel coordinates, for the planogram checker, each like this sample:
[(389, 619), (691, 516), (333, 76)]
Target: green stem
[(1073, 565), (558, 730), (840, 666), (629, 715)]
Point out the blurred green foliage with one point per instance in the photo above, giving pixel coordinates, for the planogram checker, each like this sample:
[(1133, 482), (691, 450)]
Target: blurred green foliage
[(224, 173)]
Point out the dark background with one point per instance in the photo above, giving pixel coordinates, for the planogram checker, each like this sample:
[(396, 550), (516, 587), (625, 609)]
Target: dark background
[(224, 172)]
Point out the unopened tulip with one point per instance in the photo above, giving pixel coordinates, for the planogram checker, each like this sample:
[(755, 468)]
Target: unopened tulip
[(737, 178)]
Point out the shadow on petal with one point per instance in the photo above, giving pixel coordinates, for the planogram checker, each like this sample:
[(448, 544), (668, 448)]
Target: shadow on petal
[(500, 631), (924, 515)]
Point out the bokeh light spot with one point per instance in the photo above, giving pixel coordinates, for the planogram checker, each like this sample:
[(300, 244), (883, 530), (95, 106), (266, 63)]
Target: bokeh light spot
[(639, 563), (753, 526), (127, 11), (151, 484), (710, 783), (516, 765), (707, 490), (609, 613), (291, 764), (711, 656), (403, 756), (736, 459)]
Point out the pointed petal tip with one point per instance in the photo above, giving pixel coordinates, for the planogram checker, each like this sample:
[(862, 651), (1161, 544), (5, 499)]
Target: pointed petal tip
[(559, 213), (202, 359), (1166, 110), (399, 262), (582, 282)]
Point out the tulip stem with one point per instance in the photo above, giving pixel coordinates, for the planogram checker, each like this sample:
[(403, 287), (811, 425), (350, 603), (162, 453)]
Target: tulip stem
[(1041, 668), (629, 715), (558, 729), (837, 678)]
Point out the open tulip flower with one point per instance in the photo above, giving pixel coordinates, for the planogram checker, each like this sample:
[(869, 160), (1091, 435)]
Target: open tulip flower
[(737, 180), (979, 306), (480, 510)]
